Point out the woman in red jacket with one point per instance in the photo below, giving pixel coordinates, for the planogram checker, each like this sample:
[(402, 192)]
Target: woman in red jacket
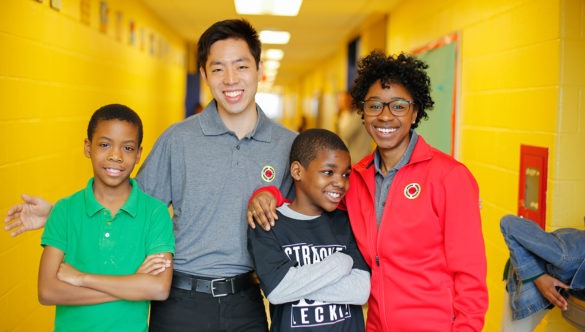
[(414, 210)]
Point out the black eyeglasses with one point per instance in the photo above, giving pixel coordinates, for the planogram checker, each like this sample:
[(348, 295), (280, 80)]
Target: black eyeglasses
[(397, 107)]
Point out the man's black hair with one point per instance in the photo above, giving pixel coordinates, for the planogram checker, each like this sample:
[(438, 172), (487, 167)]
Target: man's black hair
[(236, 29)]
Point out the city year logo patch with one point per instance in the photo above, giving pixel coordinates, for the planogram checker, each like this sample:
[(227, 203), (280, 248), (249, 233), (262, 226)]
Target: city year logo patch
[(268, 173), (411, 191)]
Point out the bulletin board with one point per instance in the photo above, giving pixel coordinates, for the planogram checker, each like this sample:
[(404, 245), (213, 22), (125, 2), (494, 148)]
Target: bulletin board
[(441, 56)]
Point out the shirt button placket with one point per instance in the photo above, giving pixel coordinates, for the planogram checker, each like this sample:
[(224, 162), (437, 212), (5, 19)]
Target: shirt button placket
[(107, 230)]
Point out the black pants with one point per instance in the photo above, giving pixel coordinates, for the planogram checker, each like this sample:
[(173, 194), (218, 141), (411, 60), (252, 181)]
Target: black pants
[(192, 311)]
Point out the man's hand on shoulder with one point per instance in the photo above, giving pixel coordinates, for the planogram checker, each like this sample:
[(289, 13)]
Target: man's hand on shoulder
[(27, 216), (262, 210)]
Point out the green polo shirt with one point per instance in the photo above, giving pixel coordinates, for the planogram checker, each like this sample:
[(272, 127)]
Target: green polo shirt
[(96, 242)]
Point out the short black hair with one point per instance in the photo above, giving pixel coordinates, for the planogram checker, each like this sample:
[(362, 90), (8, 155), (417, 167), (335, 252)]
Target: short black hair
[(114, 112), (399, 69), (237, 29), (309, 142)]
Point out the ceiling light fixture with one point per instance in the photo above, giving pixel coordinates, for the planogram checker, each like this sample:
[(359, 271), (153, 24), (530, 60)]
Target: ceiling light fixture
[(271, 64), (274, 37), (273, 54), (268, 7)]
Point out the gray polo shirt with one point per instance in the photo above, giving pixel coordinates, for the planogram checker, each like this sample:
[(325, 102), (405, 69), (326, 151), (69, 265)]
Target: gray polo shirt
[(207, 174), (383, 183)]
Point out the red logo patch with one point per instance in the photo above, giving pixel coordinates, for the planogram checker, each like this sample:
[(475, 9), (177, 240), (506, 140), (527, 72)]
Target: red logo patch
[(268, 173), (411, 191)]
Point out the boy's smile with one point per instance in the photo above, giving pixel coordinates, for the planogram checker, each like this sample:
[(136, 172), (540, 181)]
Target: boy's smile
[(321, 185), (114, 151)]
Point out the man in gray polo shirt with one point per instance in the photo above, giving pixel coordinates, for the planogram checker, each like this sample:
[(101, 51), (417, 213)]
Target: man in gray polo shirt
[(207, 167)]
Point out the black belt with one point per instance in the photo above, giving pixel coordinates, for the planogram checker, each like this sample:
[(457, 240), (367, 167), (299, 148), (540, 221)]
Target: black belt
[(217, 287)]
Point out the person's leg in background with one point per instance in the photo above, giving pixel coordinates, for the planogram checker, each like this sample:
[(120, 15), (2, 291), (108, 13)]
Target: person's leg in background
[(527, 324)]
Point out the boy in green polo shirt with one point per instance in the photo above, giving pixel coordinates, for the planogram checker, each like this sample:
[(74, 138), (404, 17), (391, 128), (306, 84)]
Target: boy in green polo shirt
[(107, 248)]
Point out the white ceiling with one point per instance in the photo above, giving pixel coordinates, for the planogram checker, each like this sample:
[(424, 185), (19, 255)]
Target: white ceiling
[(321, 27)]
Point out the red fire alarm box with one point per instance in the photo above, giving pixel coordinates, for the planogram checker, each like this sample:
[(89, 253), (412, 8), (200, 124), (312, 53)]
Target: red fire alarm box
[(532, 187)]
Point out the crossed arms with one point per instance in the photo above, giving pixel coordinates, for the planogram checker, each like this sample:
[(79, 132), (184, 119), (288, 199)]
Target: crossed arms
[(60, 283)]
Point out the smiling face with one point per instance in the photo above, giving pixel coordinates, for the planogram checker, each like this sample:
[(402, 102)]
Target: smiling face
[(114, 151), (232, 76), (321, 186), (391, 133)]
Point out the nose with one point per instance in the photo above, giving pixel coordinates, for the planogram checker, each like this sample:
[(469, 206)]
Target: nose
[(230, 77), (386, 114), (115, 155), (339, 181)]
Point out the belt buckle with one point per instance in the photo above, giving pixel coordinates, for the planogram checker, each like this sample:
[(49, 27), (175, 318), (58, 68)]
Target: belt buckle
[(230, 281)]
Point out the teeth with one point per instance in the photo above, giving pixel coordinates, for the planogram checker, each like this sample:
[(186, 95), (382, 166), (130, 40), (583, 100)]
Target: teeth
[(112, 170), (334, 195), (386, 130), (233, 93)]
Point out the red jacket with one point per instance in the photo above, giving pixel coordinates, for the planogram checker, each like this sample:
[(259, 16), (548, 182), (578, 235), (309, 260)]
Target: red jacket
[(428, 257)]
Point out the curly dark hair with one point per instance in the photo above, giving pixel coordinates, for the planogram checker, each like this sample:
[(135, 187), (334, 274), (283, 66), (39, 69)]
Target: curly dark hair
[(399, 69)]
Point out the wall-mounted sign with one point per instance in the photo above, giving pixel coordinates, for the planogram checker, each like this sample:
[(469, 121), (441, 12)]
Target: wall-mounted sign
[(532, 186)]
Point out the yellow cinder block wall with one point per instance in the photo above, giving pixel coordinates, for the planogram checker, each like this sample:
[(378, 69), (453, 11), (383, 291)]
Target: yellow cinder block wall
[(521, 82), (56, 68)]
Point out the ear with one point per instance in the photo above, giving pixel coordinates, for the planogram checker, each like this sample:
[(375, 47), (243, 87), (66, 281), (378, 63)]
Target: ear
[(87, 148), (260, 70), (202, 72), (296, 170), (138, 154)]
